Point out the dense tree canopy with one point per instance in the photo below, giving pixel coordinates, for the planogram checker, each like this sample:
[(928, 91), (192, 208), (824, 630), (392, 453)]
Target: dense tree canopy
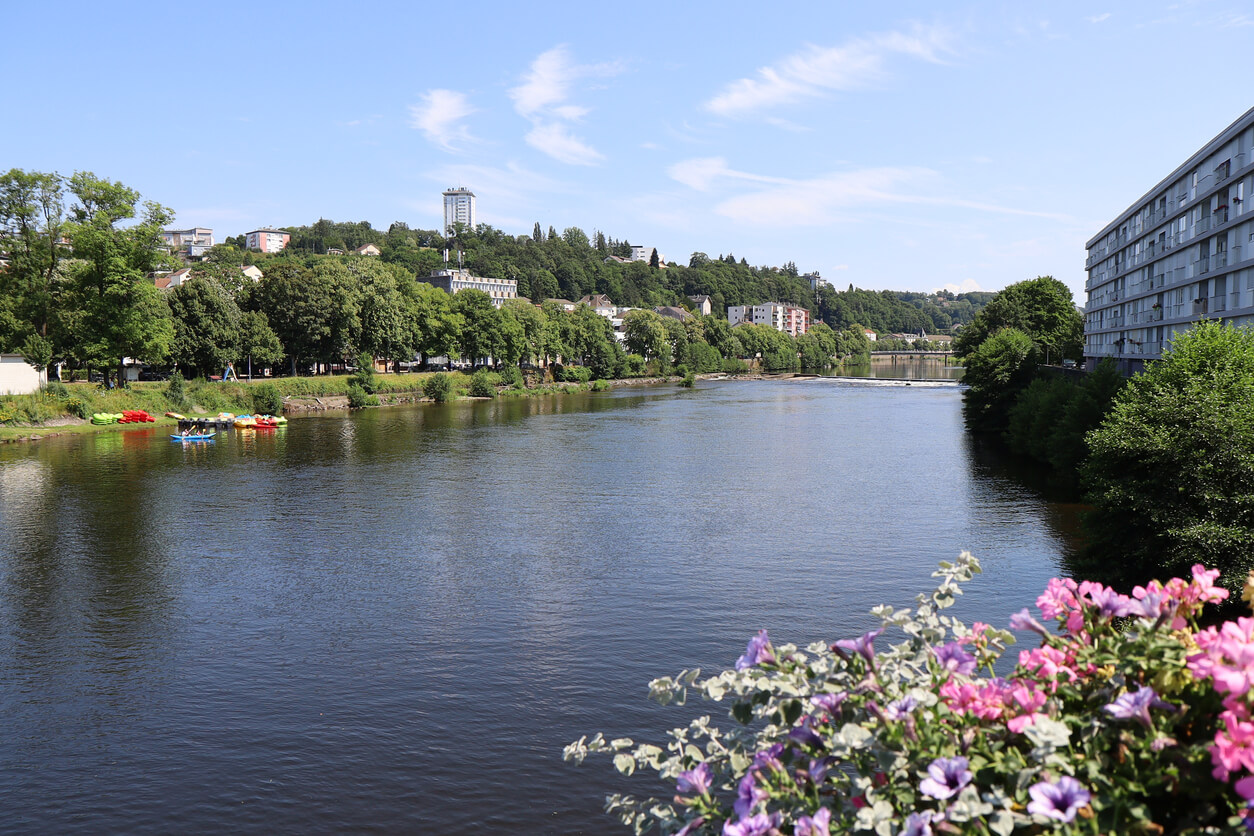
[(1041, 308), (1171, 472)]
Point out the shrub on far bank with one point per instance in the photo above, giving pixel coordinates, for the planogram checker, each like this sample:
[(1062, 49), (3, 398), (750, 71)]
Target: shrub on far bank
[(483, 384), (599, 385), (512, 376), (437, 387), (633, 365), (266, 399), (359, 397)]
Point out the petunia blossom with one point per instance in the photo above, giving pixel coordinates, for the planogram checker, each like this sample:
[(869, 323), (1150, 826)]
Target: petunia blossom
[(863, 645), (1060, 800), (816, 825), (758, 652), (1136, 706), (696, 780), (946, 776), (920, 823), (952, 657), (759, 825)]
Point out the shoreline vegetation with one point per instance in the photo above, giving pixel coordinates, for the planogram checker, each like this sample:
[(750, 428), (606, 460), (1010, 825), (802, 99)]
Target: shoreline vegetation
[(51, 412)]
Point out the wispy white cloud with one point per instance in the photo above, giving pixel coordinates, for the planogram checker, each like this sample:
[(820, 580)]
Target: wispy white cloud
[(439, 116), (1098, 18), (542, 99), (815, 71), (828, 198), (556, 140)]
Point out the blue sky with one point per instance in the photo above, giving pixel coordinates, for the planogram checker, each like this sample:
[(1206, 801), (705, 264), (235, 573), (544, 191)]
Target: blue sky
[(904, 145)]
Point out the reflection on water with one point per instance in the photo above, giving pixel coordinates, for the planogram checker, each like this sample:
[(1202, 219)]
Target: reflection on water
[(906, 366), (395, 619)]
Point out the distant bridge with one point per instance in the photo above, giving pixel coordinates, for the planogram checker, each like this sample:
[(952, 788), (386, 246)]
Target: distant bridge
[(911, 353)]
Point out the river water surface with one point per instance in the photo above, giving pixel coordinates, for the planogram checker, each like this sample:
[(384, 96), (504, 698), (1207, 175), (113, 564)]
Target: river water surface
[(393, 620)]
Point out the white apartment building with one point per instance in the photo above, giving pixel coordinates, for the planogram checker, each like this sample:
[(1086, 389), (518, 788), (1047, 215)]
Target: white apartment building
[(781, 317), (459, 208), (452, 281), (267, 240), (189, 242), (1180, 253)]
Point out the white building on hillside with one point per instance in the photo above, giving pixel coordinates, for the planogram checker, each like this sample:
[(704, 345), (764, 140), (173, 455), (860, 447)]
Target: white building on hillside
[(459, 208), (781, 317), (267, 240), (452, 281), (1179, 253)]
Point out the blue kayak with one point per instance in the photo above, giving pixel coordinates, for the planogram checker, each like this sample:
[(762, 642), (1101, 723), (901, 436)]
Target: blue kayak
[(194, 437)]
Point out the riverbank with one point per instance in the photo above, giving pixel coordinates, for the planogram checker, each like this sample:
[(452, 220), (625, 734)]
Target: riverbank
[(58, 408)]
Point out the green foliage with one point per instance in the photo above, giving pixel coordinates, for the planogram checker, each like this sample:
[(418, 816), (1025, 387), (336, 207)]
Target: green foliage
[(364, 377), (437, 387), (174, 390), (1042, 308), (483, 384), (1171, 472), (37, 351), (78, 407), (689, 380), (359, 397), (633, 365), (267, 400), (599, 385), (996, 372), (512, 376), (571, 374), (1121, 721)]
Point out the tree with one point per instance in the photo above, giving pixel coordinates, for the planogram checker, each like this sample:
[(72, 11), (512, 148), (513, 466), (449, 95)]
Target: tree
[(645, 334), (258, 342), (31, 224), (206, 326), (1042, 308), (653, 260), (536, 234), (996, 372), (1171, 470), (480, 333), (124, 315)]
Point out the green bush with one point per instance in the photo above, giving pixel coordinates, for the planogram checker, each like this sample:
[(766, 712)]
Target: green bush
[(599, 385), (267, 400), (733, 365), (364, 376), (633, 365), (512, 376), (57, 389), (437, 387), (572, 374), (689, 380), (483, 384), (359, 397), (78, 407), (174, 390)]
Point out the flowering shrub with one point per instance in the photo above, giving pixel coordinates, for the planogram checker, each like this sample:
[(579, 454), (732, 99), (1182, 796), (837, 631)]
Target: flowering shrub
[(1127, 718)]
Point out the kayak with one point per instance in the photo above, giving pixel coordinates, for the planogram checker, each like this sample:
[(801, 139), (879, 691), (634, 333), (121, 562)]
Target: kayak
[(177, 415), (193, 437)]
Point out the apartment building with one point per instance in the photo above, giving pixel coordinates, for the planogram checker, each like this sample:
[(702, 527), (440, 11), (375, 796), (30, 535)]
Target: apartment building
[(452, 281), (1180, 253), (267, 240), (781, 317), (459, 208), (189, 243)]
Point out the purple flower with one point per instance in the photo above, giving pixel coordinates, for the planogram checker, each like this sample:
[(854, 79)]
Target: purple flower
[(1136, 706), (769, 757), (759, 825), (748, 795), (696, 781), (1023, 621), (1110, 603), (818, 769), (1059, 800), (900, 709), (952, 657), (691, 826), (758, 652), (920, 824), (861, 645), (805, 734), (816, 825), (829, 702), (946, 776)]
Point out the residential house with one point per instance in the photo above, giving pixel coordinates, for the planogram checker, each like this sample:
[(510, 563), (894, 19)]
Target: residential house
[(672, 312), (601, 304), (451, 281), (17, 377), (189, 243), (367, 249), (702, 305)]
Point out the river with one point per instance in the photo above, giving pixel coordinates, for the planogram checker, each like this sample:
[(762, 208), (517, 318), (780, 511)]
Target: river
[(393, 620)]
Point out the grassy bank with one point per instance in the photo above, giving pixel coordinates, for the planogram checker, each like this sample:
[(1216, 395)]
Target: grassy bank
[(65, 408)]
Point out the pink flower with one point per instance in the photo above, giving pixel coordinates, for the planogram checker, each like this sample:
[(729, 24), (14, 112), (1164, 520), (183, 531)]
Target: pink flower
[(1049, 663), (1234, 745), (1028, 700), (1059, 599)]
